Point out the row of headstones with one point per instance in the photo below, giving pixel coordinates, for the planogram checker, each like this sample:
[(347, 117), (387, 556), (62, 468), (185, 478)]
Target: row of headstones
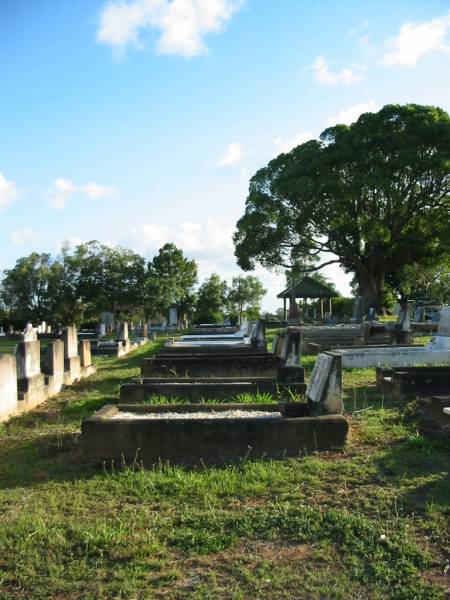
[(40, 329), (22, 383)]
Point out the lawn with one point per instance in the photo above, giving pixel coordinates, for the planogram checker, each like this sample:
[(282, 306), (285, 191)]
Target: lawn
[(371, 521)]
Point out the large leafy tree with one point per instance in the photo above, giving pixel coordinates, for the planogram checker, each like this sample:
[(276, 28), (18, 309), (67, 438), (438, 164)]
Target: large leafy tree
[(373, 196), (212, 300), (245, 292), (25, 291), (170, 280)]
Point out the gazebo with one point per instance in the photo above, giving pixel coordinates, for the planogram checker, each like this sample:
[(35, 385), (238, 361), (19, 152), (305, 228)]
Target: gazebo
[(308, 288)]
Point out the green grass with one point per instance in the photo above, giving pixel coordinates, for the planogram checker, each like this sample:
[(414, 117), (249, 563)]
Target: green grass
[(371, 521)]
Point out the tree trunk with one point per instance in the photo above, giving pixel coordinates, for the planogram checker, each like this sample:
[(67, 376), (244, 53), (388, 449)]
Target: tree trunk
[(371, 289)]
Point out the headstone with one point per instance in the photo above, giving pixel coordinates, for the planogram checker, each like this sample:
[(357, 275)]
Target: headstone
[(28, 357), (173, 317), (123, 332), (54, 367), (153, 336), (358, 310), (29, 334), (49, 329), (258, 337), (107, 318), (419, 314), (43, 327), (54, 358), (8, 386), (70, 339), (84, 350), (144, 330), (371, 314), (324, 390), (10, 329), (444, 322), (102, 329), (2, 333)]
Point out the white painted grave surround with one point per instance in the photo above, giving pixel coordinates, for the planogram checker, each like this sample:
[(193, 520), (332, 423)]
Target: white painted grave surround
[(435, 353)]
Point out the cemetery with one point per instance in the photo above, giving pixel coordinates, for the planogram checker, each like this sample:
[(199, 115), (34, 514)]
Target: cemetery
[(225, 300)]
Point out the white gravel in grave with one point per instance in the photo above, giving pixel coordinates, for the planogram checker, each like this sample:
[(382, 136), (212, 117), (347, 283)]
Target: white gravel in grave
[(224, 414)]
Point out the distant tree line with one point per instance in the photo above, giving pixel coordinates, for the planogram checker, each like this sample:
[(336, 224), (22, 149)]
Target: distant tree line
[(80, 283)]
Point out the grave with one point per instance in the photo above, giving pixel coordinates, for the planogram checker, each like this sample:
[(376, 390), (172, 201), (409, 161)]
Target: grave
[(403, 382), (199, 389), (152, 434), (72, 365), (30, 381), (436, 352), (121, 347), (54, 367), (324, 391), (8, 386), (84, 352)]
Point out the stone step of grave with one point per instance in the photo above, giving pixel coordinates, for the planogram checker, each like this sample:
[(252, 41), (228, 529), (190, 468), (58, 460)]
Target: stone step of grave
[(151, 434), (405, 382), (219, 349), (197, 391), (201, 355), (226, 366)]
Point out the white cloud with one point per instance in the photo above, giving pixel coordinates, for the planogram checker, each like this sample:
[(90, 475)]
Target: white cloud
[(23, 236), (286, 145), (208, 238), (231, 156), (322, 74), (182, 23), (8, 192), (63, 189), (95, 191), (416, 40), (349, 115)]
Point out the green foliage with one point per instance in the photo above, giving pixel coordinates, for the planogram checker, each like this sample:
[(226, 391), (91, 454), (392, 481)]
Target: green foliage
[(212, 300), (170, 281), (342, 306), (80, 283), (374, 194), (245, 292)]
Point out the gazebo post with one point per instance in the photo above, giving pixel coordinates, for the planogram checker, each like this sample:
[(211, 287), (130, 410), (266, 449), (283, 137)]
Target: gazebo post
[(284, 310), (321, 308), (329, 300)]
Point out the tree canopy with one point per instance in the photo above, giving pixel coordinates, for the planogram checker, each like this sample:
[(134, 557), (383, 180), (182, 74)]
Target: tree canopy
[(82, 282), (373, 196), (245, 292), (170, 281), (212, 300)]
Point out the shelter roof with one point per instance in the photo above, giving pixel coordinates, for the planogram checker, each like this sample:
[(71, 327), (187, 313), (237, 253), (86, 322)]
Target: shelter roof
[(309, 288)]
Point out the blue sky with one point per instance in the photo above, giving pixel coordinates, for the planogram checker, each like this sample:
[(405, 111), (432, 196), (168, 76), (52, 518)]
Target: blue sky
[(140, 122)]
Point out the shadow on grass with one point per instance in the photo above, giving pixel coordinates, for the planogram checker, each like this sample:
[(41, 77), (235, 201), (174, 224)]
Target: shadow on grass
[(55, 457), (421, 466)]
